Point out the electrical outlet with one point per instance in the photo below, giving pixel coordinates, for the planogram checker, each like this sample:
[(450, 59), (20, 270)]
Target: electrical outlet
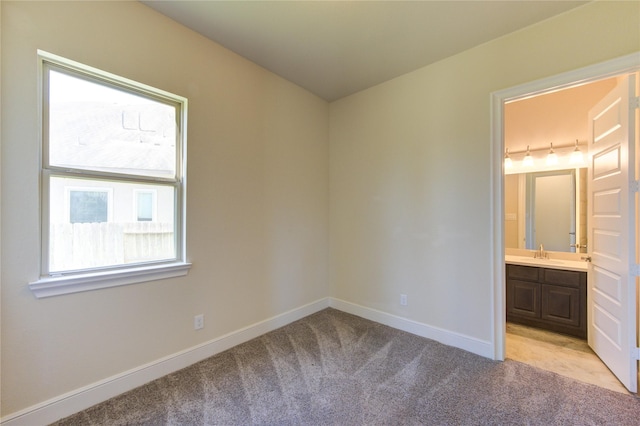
[(403, 299), (198, 322)]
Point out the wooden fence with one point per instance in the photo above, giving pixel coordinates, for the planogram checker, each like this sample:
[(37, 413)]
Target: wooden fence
[(91, 245)]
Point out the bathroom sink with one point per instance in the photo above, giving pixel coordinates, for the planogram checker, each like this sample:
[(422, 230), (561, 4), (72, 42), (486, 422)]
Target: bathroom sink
[(550, 261), (570, 265)]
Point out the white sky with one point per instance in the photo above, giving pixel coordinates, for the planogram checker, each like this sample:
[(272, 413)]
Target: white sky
[(65, 88)]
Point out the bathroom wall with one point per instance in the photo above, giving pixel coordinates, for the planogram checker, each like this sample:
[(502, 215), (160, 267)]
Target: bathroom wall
[(512, 213), (558, 117)]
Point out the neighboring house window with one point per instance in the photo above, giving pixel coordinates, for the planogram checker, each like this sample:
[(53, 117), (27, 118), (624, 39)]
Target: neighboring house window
[(105, 137), (145, 206), (88, 205)]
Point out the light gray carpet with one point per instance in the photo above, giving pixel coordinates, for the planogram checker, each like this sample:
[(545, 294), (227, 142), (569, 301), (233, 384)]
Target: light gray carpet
[(333, 368)]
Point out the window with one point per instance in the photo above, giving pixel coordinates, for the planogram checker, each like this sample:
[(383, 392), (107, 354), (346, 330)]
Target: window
[(110, 147), (145, 206), (88, 205)]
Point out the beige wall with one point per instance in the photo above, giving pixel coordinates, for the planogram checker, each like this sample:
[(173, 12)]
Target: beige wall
[(257, 200), (410, 189), (408, 175)]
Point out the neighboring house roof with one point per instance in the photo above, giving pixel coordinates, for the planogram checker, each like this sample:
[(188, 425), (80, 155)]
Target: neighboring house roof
[(132, 139)]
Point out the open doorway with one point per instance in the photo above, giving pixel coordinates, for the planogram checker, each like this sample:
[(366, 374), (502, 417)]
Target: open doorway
[(593, 79), (543, 204)]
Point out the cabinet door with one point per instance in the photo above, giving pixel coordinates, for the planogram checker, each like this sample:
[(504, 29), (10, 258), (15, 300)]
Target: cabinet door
[(523, 299), (561, 305)]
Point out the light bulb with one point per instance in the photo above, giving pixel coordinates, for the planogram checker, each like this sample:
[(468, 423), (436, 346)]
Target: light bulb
[(552, 157), (576, 156), (527, 161), (507, 160)]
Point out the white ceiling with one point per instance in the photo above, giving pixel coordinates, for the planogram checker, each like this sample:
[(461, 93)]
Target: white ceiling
[(337, 48)]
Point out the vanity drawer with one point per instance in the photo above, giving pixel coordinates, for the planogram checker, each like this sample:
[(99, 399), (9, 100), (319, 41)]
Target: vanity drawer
[(519, 272), (562, 277)]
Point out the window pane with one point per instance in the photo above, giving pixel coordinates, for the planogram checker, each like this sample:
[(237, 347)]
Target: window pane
[(78, 240), (97, 127), (88, 206), (145, 206)]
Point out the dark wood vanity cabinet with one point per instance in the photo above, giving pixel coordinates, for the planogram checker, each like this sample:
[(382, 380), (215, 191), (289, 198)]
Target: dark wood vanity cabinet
[(551, 299)]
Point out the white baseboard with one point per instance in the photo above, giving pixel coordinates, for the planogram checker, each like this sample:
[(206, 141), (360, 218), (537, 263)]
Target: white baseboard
[(85, 397), (450, 338)]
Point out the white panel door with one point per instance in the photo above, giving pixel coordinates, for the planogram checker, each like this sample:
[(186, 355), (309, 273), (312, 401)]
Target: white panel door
[(611, 296)]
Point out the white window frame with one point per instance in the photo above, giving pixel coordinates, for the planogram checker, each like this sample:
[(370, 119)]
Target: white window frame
[(53, 284)]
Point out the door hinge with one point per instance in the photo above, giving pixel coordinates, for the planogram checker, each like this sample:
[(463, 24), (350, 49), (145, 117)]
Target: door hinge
[(634, 102), (635, 353), (634, 270), (634, 186)]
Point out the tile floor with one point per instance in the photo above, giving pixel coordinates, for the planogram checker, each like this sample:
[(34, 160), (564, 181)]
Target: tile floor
[(564, 355)]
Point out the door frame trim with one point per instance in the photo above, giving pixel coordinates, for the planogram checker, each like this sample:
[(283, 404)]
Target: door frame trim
[(611, 68)]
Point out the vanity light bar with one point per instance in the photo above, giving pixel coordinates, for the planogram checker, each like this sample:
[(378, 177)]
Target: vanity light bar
[(575, 156), (546, 148)]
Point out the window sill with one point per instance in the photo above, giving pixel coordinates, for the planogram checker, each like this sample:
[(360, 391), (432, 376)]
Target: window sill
[(56, 286)]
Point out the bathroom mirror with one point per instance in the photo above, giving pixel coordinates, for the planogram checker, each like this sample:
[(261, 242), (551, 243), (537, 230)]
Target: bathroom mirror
[(548, 208)]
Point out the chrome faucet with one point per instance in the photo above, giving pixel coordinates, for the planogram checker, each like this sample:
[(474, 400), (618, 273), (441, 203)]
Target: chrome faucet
[(541, 254)]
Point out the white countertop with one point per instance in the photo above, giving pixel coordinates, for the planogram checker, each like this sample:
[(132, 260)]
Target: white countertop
[(569, 265)]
